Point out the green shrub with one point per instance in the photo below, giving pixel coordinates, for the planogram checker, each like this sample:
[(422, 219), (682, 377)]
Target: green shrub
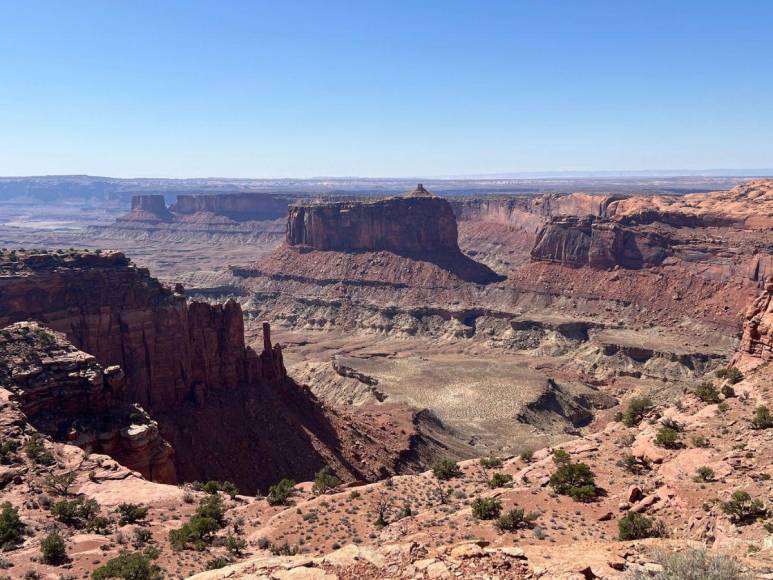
[(733, 376), (490, 462), (7, 450), (446, 469), (705, 474), (78, 512), (667, 437), (280, 493), (131, 513), (762, 418), (575, 480), (728, 391), (283, 550), (561, 457), (11, 527), (324, 481), (636, 410), (229, 489), (217, 563), (634, 464), (211, 487), (37, 452), (699, 441), (707, 392), (234, 545), (499, 480), (130, 566), (486, 508), (515, 519), (141, 537), (52, 550), (527, 455), (635, 526), (212, 507), (199, 530), (742, 508)]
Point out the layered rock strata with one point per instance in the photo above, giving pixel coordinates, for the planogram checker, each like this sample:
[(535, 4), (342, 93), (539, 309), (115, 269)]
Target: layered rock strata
[(417, 223), (65, 393), (757, 339)]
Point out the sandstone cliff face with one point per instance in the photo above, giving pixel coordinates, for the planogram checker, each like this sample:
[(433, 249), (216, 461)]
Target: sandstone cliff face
[(65, 393), (239, 207), (148, 208), (229, 412), (721, 235), (403, 225), (168, 347), (757, 339), (597, 243)]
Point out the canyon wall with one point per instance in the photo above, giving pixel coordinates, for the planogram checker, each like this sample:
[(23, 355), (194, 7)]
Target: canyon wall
[(239, 207), (169, 348), (65, 393), (148, 208), (587, 241), (403, 225)]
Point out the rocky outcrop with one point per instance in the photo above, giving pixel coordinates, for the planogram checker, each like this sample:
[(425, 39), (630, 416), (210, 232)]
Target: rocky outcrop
[(65, 393), (417, 223), (598, 243), (757, 339), (236, 206), (169, 348)]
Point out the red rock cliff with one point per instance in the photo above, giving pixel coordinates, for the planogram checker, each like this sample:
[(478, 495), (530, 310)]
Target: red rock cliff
[(148, 208), (169, 348), (64, 392), (418, 223)]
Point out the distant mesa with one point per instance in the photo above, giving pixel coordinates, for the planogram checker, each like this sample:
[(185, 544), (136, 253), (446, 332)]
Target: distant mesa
[(150, 208), (417, 224)]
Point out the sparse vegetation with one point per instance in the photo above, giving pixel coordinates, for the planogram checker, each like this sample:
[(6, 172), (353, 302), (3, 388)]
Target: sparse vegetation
[(728, 392), (37, 452), (61, 483), (324, 481), (234, 545), (199, 530), (707, 392), (693, 564), (633, 464), (486, 508), (634, 526), (636, 410), (78, 512), (668, 438), (732, 375), (762, 418), (576, 480), (7, 450), (53, 550), (446, 469), (516, 519), (280, 493), (527, 455), (11, 527), (131, 513), (742, 508), (705, 474), (499, 480), (130, 566), (490, 462)]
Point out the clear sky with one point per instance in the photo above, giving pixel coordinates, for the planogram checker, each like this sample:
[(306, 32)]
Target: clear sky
[(382, 88)]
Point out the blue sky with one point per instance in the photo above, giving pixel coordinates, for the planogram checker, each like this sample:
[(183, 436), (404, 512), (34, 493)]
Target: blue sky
[(393, 88)]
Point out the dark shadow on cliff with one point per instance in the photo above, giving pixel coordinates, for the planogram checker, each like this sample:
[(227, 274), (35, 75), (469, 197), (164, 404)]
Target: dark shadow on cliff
[(461, 266), (254, 436)]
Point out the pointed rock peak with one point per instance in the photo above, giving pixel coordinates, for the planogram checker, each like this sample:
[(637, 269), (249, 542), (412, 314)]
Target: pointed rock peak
[(420, 192)]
